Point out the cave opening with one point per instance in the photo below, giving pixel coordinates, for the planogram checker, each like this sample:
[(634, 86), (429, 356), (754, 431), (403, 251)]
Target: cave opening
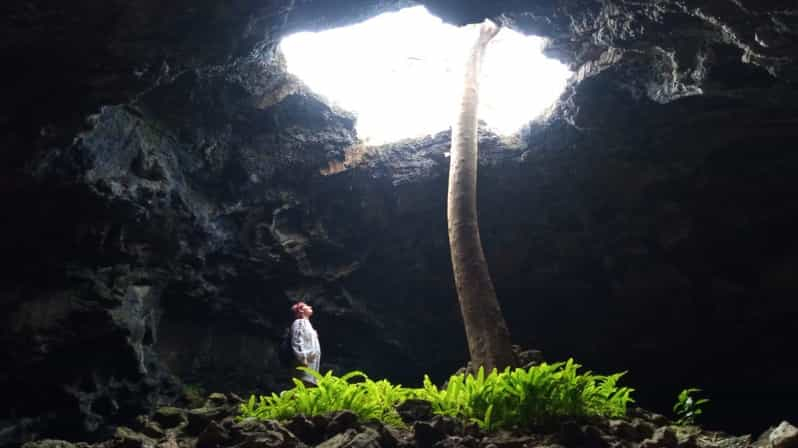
[(400, 73)]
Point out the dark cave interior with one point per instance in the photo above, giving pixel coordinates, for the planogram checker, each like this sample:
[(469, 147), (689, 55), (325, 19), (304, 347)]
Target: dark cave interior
[(166, 200)]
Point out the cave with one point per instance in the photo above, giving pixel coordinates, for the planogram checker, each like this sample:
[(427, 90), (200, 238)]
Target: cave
[(170, 190)]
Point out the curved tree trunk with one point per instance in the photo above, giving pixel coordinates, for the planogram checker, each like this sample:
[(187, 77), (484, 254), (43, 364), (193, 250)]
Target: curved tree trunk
[(488, 337)]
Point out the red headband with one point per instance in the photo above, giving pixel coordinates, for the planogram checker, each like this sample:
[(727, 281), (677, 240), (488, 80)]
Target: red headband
[(295, 307)]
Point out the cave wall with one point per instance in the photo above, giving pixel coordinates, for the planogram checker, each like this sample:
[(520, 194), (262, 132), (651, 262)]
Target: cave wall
[(168, 194)]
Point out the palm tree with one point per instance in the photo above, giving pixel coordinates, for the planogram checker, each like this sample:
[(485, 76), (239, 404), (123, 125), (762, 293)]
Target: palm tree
[(488, 337)]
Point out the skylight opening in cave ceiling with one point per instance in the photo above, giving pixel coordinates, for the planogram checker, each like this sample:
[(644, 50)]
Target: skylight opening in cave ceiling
[(401, 74)]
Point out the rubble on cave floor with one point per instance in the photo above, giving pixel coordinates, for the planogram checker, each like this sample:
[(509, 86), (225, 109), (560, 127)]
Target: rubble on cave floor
[(215, 424)]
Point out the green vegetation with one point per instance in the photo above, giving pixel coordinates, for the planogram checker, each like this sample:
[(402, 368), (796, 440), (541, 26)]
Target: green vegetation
[(368, 399), (688, 408), (514, 397), (522, 397)]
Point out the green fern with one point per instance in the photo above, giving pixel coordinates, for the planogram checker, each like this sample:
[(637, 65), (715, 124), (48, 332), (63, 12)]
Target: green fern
[(369, 400), (514, 397), (527, 396), (688, 408)]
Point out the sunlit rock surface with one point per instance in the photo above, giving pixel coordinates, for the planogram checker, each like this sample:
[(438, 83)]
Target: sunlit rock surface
[(169, 190)]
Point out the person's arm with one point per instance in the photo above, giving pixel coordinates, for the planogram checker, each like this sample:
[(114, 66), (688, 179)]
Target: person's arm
[(300, 342)]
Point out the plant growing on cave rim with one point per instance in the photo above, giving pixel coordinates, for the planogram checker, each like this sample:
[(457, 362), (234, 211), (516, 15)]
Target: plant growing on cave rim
[(687, 407), (512, 398)]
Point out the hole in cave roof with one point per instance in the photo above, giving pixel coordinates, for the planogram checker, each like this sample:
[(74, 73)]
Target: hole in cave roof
[(401, 74)]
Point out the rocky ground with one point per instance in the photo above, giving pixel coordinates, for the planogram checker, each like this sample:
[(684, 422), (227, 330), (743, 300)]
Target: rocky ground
[(215, 425)]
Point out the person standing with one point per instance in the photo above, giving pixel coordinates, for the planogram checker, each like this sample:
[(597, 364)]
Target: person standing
[(305, 341)]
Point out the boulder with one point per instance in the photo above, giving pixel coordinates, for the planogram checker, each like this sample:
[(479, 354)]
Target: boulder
[(366, 438), (652, 417), (389, 436), (340, 422), (721, 440), (687, 436), (427, 435), (351, 438), (250, 425), (213, 436), (663, 437), (304, 429), (627, 431), (253, 433), (414, 410), (447, 425), (593, 437), (125, 437), (198, 419), (644, 428), (338, 440), (149, 428), (784, 435), (269, 439), (505, 439), (216, 399), (169, 417), (171, 442), (321, 422)]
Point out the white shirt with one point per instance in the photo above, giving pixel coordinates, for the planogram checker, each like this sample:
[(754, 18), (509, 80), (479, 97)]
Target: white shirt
[(305, 343)]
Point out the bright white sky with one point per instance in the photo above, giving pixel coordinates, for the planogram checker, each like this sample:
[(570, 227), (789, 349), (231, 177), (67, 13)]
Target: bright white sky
[(401, 74)]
